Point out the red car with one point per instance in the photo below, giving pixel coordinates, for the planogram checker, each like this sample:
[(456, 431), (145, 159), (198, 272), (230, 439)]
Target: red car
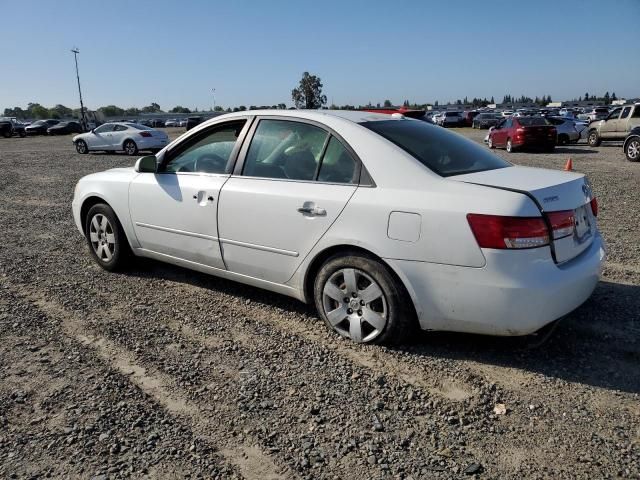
[(521, 132)]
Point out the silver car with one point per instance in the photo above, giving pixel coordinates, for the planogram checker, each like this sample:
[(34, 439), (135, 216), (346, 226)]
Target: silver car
[(568, 130)]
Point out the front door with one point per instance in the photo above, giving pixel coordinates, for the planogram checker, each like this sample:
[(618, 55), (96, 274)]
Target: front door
[(610, 125), (100, 138), (174, 211), (295, 181)]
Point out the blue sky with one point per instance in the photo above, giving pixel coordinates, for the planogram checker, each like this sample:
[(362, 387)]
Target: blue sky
[(136, 52)]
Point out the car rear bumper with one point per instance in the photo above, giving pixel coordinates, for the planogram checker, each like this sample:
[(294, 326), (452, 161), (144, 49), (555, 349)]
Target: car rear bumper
[(515, 293)]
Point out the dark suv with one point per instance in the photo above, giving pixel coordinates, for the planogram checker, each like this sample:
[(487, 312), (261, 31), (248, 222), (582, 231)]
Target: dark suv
[(10, 127)]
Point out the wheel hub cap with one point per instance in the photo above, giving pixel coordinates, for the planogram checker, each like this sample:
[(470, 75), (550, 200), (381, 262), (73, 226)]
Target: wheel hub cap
[(102, 237), (355, 305)]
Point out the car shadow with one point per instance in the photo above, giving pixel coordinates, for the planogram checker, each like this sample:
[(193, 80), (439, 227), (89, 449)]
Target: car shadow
[(574, 149), (598, 344)]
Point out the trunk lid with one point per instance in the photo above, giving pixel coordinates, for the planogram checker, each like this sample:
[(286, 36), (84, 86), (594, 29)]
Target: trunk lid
[(553, 191)]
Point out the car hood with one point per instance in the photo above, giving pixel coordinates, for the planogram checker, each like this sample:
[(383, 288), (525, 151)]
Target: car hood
[(122, 174)]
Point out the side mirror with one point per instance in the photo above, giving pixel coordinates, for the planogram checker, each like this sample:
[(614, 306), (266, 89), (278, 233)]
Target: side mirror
[(146, 164)]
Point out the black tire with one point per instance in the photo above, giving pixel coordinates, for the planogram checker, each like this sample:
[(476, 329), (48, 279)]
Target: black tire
[(632, 149), (120, 254), (22, 134), (130, 148), (594, 139), (563, 139), (395, 302), (81, 147), (7, 134)]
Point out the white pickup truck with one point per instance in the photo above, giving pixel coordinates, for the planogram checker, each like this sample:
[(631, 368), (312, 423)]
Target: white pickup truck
[(616, 126)]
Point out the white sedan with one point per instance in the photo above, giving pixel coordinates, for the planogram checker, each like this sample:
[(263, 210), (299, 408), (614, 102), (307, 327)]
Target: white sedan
[(121, 136), (384, 222)]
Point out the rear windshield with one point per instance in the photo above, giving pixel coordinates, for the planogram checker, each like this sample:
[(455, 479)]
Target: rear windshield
[(438, 149), (452, 114), (532, 121), (138, 126)]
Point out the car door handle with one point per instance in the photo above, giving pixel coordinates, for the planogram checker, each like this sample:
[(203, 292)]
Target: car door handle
[(310, 209)]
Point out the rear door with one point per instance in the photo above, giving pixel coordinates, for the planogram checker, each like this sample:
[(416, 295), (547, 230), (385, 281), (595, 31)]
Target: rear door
[(174, 211), (292, 181), (622, 127)]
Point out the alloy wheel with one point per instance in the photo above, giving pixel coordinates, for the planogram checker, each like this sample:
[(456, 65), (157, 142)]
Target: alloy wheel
[(509, 146), (130, 148), (355, 305), (102, 238), (633, 150)]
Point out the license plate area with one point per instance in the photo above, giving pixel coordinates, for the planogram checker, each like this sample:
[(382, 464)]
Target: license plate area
[(582, 224)]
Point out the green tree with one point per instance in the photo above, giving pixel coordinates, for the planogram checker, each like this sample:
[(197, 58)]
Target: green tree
[(153, 108), (606, 98), (613, 97), (387, 103), (60, 111), (112, 111), (15, 112), (35, 110), (179, 109), (132, 111), (586, 96), (309, 92)]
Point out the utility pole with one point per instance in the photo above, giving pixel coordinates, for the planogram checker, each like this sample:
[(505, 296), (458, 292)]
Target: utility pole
[(75, 56), (213, 94)]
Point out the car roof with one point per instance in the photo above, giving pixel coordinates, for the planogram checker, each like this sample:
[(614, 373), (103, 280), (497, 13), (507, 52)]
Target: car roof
[(355, 116)]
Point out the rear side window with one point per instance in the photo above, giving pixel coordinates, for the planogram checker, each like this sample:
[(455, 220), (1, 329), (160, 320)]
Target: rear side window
[(438, 149), (119, 128), (636, 112), (338, 166), (285, 149)]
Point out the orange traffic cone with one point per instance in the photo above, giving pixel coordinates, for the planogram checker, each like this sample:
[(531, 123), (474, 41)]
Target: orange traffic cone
[(569, 165)]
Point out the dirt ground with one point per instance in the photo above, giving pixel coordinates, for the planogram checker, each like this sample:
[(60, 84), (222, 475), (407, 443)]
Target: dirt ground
[(161, 372)]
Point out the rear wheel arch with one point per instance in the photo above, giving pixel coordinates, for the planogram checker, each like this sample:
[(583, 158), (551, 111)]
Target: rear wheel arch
[(345, 250)]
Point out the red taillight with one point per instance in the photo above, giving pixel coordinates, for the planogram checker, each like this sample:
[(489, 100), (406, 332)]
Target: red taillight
[(493, 231), (145, 134), (562, 223), (594, 206)]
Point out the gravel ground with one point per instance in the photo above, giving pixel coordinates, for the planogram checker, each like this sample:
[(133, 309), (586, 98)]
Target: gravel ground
[(161, 372)]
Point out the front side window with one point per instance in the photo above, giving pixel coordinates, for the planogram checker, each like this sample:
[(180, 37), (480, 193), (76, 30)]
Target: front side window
[(438, 149), (285, 149), (210, 153), (107, 127), (613, 115), (625, 112)]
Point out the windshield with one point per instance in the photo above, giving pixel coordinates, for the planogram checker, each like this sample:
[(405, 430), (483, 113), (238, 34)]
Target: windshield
[(443, 152)]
